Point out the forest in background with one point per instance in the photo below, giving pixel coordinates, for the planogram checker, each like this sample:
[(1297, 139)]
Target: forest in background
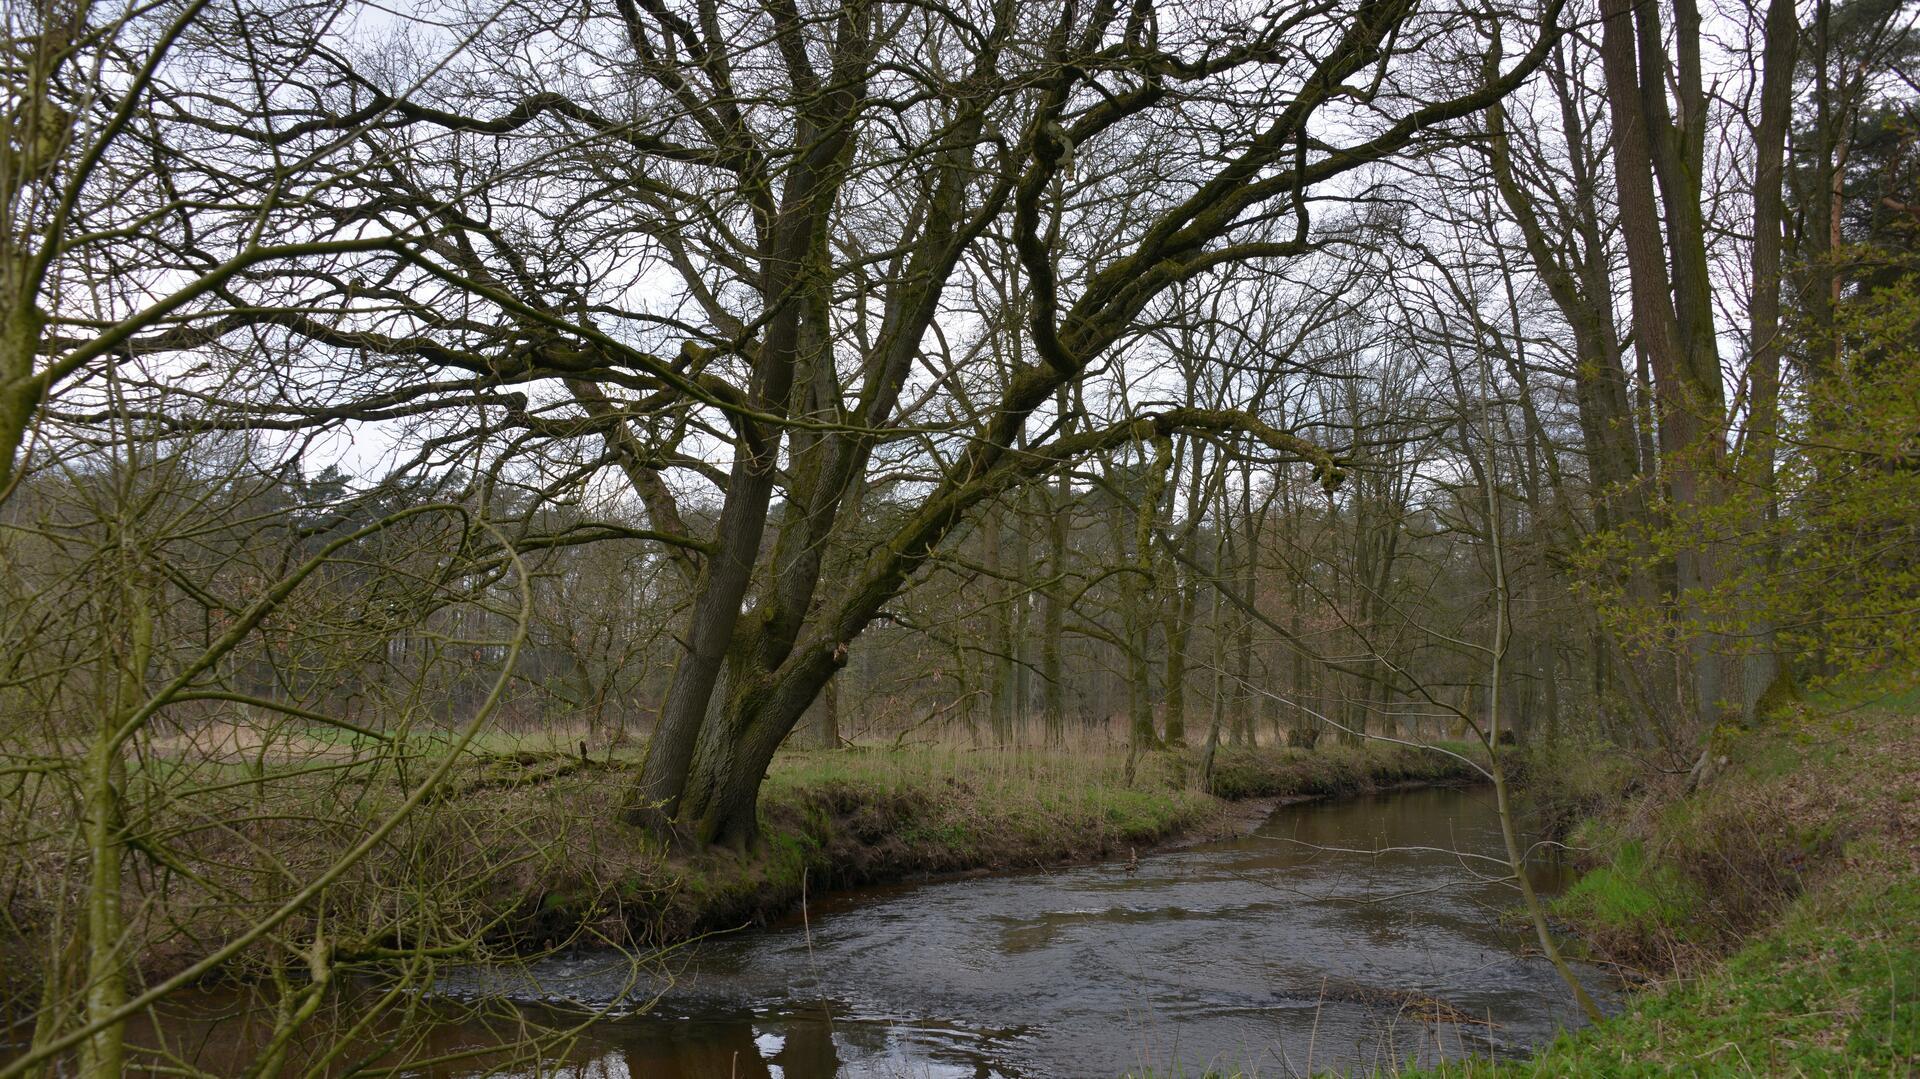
[(685, 381)]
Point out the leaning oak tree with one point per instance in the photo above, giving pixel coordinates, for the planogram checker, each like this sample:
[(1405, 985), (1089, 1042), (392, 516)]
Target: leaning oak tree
[(714, 249)]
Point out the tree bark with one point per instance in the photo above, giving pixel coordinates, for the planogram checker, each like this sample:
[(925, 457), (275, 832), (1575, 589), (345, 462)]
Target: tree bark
[(795, 239), (1053, 618), (1672, 313), (1764, 667)]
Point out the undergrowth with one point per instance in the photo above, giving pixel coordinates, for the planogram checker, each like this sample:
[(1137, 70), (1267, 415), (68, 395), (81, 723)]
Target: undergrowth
[(1777, 910), (519, 851)]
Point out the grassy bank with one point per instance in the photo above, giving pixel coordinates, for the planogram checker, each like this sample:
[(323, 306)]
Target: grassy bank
[(861, 816), (518, 851), (1776, 910)]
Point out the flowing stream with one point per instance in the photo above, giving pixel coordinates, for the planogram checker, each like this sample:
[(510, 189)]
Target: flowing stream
[(1293, 949)]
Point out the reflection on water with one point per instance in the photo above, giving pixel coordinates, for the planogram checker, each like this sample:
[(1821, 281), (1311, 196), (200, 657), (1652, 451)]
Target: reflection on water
[(1271, 953)]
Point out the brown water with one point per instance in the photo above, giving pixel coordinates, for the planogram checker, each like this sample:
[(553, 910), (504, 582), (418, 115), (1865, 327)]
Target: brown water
[(1270, 953)]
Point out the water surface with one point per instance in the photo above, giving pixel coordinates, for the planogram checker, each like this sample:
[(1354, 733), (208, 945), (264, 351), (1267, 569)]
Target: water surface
[(1297, 948)]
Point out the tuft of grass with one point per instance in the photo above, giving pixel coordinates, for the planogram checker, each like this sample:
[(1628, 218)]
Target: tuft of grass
[(1630, 896)]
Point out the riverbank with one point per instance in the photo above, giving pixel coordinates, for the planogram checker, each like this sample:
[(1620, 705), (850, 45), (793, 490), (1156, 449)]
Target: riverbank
[(518, 853), (846, 818), (1775, 912)]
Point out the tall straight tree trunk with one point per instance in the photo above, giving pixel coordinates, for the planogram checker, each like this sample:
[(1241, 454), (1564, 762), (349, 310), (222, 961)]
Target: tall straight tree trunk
[(1000, 621), (1178, 627), (1053, 619), (1246, 569), (1177, 588), (103, 1055), (1143, 591), (1765, 669), (1671, 296), (1579, 279), (1217, 635), (1822, 231), (1020, 631), (1305, 732), (1141, 733)]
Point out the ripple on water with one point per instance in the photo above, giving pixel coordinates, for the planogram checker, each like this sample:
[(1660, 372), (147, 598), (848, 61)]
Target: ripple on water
[(1250, 950), (1256, 952)]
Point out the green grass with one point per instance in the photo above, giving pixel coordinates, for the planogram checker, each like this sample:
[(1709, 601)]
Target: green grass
[(521, 847), (1877, 692), (1834, 989), (1631, 895), (1787, 894)]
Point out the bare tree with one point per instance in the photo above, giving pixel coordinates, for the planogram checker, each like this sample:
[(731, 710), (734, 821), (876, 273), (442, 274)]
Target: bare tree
[(813, 239)]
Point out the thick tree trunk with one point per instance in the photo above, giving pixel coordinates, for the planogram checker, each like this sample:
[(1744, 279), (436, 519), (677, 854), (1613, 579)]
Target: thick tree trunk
[(720, 805), (1672, 311), (1764, 667), (20, 330)]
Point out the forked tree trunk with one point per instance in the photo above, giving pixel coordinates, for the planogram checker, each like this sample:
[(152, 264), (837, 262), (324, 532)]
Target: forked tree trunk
[(720, 804), (1672, 296), (1767, 677), (715, 742)]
